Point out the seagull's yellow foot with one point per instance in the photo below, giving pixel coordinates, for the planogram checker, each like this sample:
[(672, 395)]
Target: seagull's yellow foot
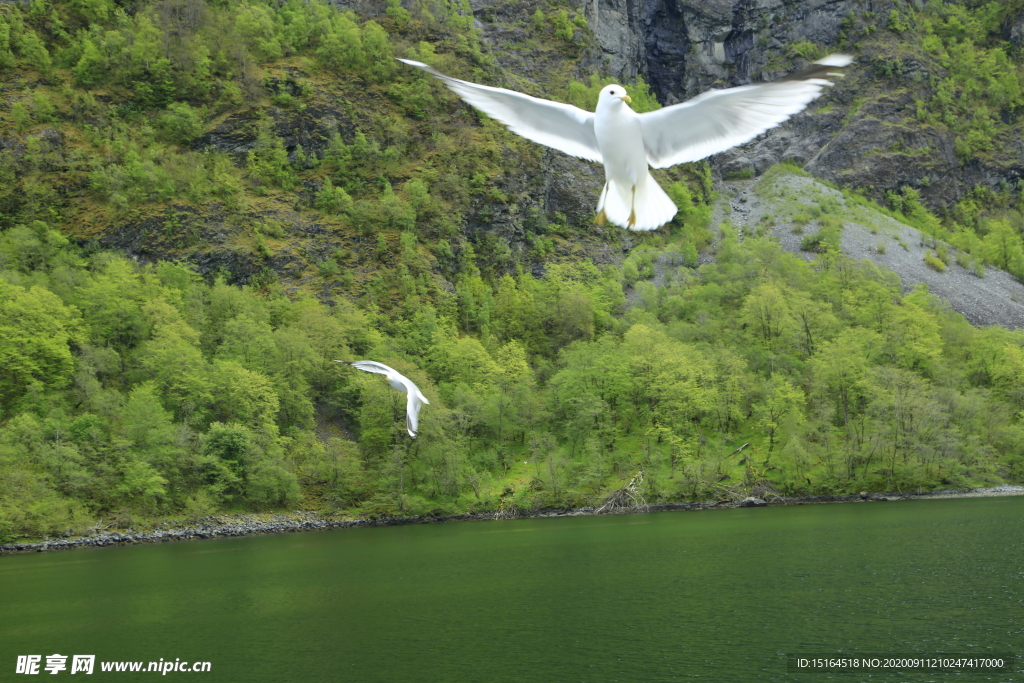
[(632, 218), (602, 218)]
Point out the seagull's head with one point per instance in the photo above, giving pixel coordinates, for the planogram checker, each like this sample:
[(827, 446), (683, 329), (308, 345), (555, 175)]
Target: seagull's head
[(612, 95)]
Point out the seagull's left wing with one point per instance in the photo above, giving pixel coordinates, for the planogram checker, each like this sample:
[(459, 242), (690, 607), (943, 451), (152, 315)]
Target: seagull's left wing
[(369, 366), (564, 127), (716, 120)]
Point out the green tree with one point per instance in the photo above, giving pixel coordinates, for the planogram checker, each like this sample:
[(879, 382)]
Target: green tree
[(839, 367), (333, 200), (767, 311), (379, 59), (33, 51), (243, 396), (35, 332), (781, 400), (91, 66), (181, 123), (268, 161)]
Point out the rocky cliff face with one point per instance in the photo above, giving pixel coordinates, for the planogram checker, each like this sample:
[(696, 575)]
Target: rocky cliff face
[(857, 135), (683, 48), (862, 133)]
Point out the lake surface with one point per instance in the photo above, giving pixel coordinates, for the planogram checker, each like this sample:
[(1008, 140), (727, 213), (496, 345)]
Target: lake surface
[(674, 596)]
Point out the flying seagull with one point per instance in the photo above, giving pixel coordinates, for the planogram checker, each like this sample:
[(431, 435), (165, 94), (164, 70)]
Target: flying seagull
[(627, 142), (402, 383)]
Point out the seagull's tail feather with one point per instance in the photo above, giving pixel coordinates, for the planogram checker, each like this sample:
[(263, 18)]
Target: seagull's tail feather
[(648, 209)]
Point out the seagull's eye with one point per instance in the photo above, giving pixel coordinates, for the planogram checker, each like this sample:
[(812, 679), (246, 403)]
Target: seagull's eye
[(611, 92)]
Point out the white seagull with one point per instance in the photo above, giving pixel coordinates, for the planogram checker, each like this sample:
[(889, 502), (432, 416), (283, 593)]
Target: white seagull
[(627, 142), (397, 381)]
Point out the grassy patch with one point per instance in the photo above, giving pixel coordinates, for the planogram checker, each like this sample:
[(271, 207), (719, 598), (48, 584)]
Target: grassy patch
[(745, 174), (934, 263)]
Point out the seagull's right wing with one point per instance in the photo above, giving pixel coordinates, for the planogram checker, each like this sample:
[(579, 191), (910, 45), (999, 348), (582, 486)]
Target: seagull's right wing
[(414, 402), (412, 410), (564, 127), (369, 366), (716, 120)]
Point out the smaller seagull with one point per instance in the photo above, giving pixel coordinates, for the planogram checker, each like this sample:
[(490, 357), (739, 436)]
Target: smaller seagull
[(397, 381)]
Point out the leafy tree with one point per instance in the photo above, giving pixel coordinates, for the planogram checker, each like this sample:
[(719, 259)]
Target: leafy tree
[(91, 66), (243, 396), (181, 123), (781, 399), (268, 161), (30, 506), (32, 50), (333, 200), (839, 367), (35, 331), (766, 309), (341, 46)]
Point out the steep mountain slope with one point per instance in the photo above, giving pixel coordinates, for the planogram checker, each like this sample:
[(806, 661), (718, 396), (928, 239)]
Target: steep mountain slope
[(805, 215), (203, 205), (931, 103)]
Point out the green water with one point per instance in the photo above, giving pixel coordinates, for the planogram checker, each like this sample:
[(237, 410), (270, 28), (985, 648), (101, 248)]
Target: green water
[(717, 596)]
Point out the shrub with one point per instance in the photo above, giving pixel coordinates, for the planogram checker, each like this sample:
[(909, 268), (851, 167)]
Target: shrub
[(261, 244), (333, 200), (329, 268), (805, 49), (340, 254), (268, 161), (564, 28), (935, 263), (745, 174), (896, 23), (272, 228), (181, 123), (538, 20), (43, 108), (21, 117), (822, 241)]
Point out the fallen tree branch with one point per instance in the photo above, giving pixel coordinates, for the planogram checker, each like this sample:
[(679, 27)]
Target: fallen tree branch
[(738, 450), (628, 497), (507, 510)]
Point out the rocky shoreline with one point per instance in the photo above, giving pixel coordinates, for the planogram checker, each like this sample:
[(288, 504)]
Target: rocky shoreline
[(225, 526)]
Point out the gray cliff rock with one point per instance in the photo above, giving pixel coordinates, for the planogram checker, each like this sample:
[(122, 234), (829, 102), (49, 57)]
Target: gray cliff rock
[(683, 48), (870, 136)]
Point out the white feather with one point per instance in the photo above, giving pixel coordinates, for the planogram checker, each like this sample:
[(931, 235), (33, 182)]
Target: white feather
[(564, 127), (717, 120)]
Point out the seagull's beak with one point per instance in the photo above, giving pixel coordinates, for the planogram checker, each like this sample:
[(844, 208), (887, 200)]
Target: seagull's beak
[(626, 98)]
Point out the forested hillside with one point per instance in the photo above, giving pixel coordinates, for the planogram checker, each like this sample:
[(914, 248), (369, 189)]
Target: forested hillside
[(203, 204)]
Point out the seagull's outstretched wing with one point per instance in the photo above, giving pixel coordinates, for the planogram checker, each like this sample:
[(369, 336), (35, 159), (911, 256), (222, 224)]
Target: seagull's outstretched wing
[(564, 127), (369, 366), (716, 120)]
